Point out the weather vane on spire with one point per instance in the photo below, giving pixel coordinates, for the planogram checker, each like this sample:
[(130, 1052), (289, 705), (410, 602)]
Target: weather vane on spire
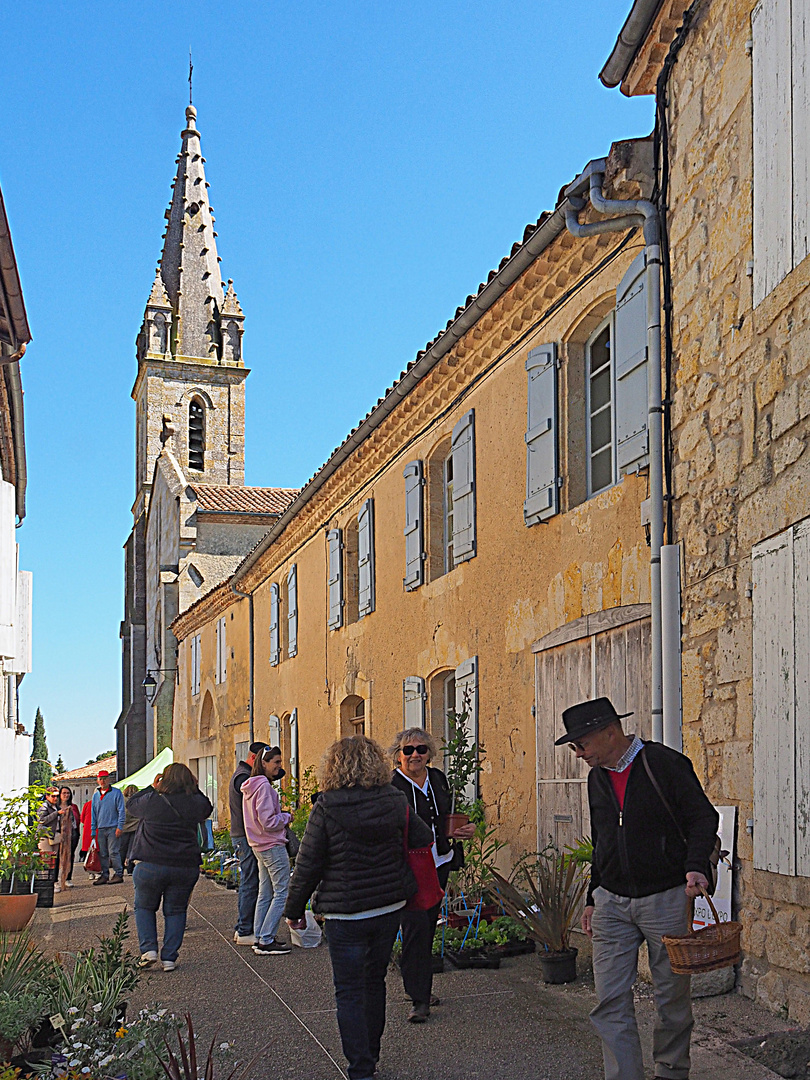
[(190, 73)]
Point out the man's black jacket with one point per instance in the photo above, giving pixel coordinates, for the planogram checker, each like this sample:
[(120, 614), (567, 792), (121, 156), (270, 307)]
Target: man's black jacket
[(638, 851)]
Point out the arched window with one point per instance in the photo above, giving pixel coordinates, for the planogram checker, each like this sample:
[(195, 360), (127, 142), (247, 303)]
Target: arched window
[(196, 435), (353, 716), (207, 717), (440, 512)]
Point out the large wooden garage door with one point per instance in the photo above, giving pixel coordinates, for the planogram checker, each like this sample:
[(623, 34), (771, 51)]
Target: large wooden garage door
[(602, 655)]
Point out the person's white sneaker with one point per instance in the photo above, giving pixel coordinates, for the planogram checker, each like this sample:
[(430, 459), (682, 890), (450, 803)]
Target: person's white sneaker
[(57, 887), (69, 884), (147, 959), (169, 965), (244, 939)]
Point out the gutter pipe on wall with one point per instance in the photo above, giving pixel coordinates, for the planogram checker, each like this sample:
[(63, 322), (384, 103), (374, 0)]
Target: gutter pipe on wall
[(526, 254), (249, 598), (666, 668), (629, 41)]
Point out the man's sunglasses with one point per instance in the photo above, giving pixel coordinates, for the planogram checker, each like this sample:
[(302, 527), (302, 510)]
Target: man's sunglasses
[(422, 748)]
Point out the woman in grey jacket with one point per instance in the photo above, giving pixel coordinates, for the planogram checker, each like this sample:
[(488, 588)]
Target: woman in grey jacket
[(352, 863)]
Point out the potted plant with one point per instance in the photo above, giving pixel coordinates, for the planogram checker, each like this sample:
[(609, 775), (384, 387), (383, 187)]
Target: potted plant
[(462, 764), (554, 887), (467, 887), (20, 858)]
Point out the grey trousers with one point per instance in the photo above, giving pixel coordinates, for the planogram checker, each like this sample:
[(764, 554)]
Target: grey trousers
[(619, 926)]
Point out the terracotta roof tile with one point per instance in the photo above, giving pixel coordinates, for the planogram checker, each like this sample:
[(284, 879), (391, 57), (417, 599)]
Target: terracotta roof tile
[(219, 498), (86, 772)]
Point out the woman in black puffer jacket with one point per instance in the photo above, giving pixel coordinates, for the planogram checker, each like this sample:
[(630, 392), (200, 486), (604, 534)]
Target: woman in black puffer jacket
[(352, 858)]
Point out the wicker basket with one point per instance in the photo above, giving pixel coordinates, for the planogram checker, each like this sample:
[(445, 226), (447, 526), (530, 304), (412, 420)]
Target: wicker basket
[(707, 949)]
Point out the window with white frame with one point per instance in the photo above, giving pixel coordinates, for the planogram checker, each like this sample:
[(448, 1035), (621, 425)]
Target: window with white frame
[(196, 657), (600, 407), (222, 651), (447, 512), (207, 781)]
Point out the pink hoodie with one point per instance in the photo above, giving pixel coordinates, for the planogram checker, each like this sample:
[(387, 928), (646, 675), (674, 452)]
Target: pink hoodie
[(264, 818)]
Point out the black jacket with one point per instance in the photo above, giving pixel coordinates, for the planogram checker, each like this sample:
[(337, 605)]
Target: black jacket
[(167, 833), (353, 853), (639, 851), (420, 802), (235, 799)]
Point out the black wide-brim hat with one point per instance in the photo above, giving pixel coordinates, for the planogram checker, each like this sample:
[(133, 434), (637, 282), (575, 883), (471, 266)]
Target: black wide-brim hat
[(587, 717)]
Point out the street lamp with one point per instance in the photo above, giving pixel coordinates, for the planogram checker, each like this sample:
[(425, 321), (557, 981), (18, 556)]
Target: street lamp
[(150, 686)]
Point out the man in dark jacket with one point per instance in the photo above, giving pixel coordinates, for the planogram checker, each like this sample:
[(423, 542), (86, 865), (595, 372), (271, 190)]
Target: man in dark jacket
[(248, 868), (649, 856)]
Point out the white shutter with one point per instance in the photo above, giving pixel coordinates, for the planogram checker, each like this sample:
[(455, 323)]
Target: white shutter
[(274, 731), (8, 569), (630, 365), (292, 611), (219, 651), (21, 664), (275, 648), (413, 693), (196, 643), (800, 37), (222, 654), (365, 559), (542, 490), (334, 543), (801, 689), (294, 745), (414, 526), (467, 700), (464, 488), (774, 705), (773, 151)]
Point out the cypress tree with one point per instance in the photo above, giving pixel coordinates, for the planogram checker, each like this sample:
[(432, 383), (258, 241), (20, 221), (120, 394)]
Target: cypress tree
[(60, 766), (39, 771)]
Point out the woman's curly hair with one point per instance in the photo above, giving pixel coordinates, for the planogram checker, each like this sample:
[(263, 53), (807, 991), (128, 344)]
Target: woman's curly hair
[(355, 761)]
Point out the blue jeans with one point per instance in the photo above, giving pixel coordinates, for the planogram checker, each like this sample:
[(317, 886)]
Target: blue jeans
[(248, 885), (174, 885), (108, 851), (274, 882), (360, 950)]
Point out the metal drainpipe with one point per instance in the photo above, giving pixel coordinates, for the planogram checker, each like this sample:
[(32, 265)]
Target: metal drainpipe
[(635, 212), (249, 598)]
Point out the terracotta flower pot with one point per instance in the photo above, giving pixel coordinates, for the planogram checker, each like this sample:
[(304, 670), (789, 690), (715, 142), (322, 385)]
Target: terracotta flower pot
[(16, 911), (454, 822)]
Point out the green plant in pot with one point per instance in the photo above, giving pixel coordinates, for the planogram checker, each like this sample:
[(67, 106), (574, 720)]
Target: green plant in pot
[(20, 858), (470, 884), (544, 896), (462, 764)]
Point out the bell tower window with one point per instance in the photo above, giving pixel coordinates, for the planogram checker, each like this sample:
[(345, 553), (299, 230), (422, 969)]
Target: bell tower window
[(196, 435)]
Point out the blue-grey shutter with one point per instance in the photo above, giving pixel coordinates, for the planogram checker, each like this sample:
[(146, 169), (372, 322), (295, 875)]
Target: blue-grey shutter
[(366, 598), (630, 365), (542, 490), (467, 700), (413, 697), (294, 743), (414, 526), (275, 647), (464, 488), (292, 611), (334, 542)]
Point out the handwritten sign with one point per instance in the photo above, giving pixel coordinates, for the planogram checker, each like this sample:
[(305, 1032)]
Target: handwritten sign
[(722, 894)]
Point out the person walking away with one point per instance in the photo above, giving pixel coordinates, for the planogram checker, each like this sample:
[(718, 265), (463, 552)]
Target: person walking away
[(69, 834), (107, 817), (645, 866), (248, 866), (265, 824), (128, 831), (168, 859), (352, 863), (428, 794)]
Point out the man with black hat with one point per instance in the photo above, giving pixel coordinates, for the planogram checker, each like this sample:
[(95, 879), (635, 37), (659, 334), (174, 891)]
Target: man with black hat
[(248, 867), (649, 856)]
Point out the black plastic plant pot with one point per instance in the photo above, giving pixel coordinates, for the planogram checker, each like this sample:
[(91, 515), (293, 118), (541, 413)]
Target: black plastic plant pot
[(21, 886), (475, 959), (44, 891), (516, 948), (559, 967)]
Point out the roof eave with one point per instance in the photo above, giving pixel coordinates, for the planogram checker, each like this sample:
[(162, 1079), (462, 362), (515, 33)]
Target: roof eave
[(631, 38)]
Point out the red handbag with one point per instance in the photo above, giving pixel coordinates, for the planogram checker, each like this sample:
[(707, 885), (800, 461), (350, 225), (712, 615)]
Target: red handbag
[(430, 893), (92, 863)]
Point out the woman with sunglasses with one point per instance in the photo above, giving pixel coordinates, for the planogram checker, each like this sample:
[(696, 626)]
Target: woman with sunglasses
[(428, 794)]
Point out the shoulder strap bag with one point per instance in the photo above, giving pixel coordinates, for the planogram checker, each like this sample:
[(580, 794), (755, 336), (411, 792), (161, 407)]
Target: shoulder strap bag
[(420, 860), (716, 854)]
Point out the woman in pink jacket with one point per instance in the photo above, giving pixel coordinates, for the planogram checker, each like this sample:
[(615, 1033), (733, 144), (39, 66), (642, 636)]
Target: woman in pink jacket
[(265, 823)]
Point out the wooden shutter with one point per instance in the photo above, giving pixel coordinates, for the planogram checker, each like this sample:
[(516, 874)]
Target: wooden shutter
[(8, 569), (467, 699), (21, 664), (334, 544), (773, 151), (413, 694), (630, 366), (414, 526), (195, 664), (542, 490), (800, 38), (274, 731), (222, 650), (366, 600), (294, 745), (292, 611), (275, 626), (464, 488)]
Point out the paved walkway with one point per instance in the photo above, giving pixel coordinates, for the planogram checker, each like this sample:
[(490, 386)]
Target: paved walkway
[(491, 1025)]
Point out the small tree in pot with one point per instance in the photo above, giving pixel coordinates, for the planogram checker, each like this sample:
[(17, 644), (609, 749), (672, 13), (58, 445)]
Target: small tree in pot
[(462, 764), (20, 858)]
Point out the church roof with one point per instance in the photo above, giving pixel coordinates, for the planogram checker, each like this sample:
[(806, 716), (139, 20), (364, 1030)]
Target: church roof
[(217, 498), (189, 265)]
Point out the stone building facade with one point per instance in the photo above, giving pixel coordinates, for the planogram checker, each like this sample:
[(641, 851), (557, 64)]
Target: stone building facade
[(738, 196)]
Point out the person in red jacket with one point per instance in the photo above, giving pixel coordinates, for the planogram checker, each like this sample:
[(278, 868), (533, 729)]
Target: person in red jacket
[(87, 834)]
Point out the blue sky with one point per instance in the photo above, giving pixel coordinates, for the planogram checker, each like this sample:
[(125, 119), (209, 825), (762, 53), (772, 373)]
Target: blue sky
[(369, 164)]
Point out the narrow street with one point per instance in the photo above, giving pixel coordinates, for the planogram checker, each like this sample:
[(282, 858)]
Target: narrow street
[(491, 1025)]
